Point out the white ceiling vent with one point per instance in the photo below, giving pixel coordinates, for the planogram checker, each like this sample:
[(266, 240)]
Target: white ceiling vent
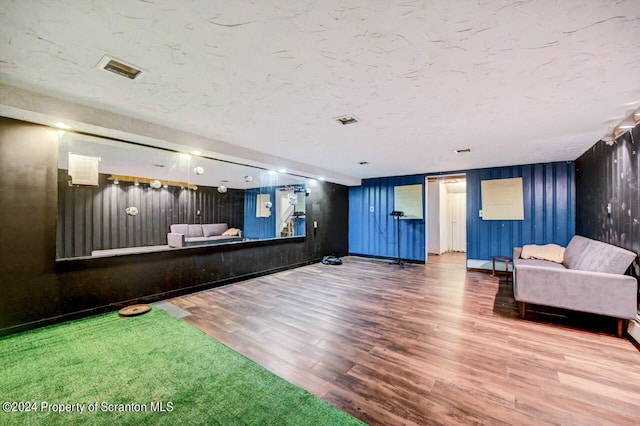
[(120, 67), (347, 119)]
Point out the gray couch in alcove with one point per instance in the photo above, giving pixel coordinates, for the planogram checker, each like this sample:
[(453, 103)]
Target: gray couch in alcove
[(590, 279), (187, 235)]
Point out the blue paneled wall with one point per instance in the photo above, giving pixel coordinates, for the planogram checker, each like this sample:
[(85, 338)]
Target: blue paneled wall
[(549, 211), (375, 233)]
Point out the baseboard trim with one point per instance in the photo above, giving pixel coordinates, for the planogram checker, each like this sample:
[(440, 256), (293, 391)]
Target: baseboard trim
[(372, 256)]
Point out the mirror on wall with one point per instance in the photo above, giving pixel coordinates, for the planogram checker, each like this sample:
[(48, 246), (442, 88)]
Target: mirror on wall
[(117, 198)]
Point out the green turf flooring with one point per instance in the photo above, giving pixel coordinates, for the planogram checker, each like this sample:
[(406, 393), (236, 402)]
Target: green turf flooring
[(158, 369)]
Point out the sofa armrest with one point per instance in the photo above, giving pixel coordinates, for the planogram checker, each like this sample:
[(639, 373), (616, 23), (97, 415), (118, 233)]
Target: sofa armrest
[(516, 253), (175, 240), (596, 292)]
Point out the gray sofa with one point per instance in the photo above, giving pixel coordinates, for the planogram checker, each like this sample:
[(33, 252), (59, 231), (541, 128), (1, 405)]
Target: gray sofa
[(590, 279), (186, 235)]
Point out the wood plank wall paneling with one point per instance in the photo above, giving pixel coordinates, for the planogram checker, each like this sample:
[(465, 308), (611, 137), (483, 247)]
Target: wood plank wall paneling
[(95, 218), (610, 174), (549, 205)]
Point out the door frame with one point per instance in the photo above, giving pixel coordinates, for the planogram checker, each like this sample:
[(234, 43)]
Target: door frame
[(426, 207)]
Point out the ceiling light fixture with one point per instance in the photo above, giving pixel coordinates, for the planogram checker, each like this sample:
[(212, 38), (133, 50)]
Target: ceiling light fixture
[(321, 178), (282, 171), (627, 124), (347, 119), (153, 183), (196, 152), (61, 125)]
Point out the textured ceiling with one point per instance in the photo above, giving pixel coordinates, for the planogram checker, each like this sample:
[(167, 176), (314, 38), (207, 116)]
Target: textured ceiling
[(517, 82)]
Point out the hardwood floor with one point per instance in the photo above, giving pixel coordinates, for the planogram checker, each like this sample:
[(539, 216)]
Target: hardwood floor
[(423, 345)]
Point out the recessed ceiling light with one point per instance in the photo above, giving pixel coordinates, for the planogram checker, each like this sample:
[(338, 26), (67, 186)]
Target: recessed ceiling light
[(363, 163), (61, 125), (461, 151), (347, 119)]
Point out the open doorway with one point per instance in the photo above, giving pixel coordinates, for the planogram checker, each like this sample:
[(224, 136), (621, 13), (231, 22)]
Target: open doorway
[(446, 214)]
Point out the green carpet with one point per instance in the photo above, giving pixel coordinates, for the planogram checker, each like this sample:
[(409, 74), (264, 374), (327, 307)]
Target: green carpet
[(152, 362)]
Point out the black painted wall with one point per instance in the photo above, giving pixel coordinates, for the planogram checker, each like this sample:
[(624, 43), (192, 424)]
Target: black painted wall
[(95, 218), (609, 174), (36, 290)]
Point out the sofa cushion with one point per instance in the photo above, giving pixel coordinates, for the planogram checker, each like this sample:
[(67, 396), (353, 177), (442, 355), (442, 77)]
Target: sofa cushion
[(179, 228), (574, 252), (591, 255), (538, 262), (213, 229), (194, 231)]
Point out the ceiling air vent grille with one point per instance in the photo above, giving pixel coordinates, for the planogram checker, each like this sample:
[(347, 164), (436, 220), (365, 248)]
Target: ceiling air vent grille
[(119, 67), (347, 119)]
